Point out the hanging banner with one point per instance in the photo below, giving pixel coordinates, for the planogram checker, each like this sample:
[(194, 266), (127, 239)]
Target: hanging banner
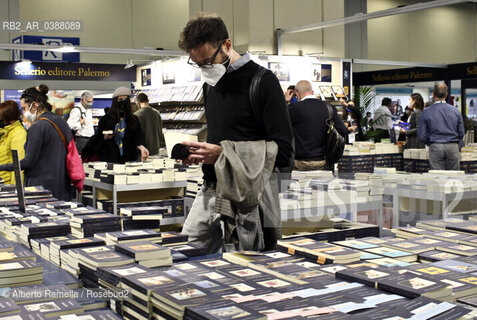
[(55, 56), (346, 70), (65, 71)]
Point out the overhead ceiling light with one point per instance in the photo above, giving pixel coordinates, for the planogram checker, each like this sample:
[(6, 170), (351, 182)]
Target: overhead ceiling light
[(25, 62), (67, 47), (129, 64)]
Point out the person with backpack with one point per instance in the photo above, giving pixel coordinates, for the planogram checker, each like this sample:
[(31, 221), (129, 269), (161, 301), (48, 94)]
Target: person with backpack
[(45, 152), (81, 120), (309, 119), (244, 125)]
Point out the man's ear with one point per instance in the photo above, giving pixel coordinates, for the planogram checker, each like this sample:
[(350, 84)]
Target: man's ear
[(228, 44)]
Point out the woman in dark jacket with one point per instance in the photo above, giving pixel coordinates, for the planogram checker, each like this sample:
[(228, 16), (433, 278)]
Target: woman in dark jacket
[(119, 137), (417, 104), (45, 153)]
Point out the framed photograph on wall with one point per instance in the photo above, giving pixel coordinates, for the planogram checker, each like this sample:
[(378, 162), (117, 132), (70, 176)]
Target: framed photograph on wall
[(146, 77), (326, 72), (168, 73), (280, 69), (316, 72)]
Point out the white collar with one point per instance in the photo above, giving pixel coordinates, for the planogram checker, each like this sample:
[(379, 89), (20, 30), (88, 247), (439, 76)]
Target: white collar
[(440, 101), (308, 97)]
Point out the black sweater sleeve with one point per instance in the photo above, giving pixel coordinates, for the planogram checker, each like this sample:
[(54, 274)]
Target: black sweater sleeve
[(276, 119), (32, 151), (139, 134)]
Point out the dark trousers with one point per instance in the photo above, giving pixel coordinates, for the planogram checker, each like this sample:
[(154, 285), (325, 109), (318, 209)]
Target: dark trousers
[(81, 143), (381, 134), (444, 156)]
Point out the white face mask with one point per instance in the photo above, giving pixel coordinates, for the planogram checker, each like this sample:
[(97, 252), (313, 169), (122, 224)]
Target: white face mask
[(30, 117), (212, 75)]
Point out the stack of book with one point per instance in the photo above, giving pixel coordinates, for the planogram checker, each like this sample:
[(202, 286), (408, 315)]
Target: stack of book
[(323, 253), (190, 250), (52, 309), (36, 244), (58, 245), (8, 307), (141, 286), (30, 231), (87, 260), (146, 253), (144, 212), (88, 225), (110, 278), (103, 256), (118, 237), (194, 184), (82, 211), (20, 273)]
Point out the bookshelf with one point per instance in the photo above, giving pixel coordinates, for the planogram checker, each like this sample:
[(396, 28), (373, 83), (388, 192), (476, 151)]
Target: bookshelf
[(181, 107)]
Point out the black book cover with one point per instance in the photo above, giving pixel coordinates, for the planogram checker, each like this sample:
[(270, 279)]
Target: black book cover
[(145, 283), (190, 249), (143, 250), (102, 315), (54, 308), (413, 286), (95, 218), (172, 237), (133, 235), (8, 306), (116, 274), (366, 276), (437, 255), (225, 309)]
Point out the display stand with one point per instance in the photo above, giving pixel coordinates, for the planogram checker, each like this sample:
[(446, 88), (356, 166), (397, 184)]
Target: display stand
[(120, 188), (442, 200), (317, 212)]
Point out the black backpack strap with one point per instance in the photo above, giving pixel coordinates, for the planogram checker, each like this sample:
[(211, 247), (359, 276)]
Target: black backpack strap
[(331, 115), (205, 91), (81, 113), (254, 93)]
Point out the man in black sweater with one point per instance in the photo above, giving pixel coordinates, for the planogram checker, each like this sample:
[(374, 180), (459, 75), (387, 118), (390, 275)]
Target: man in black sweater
[(308, 118), (229, 115)]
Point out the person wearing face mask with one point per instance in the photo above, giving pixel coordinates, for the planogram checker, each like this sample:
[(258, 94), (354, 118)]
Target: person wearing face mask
[(232, 120), (416, 102), (119, 137), (29, 115), (45, 152), (13, 137), (81, 121)]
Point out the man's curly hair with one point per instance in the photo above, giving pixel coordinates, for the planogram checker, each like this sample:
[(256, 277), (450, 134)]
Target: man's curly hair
[(203, 29)]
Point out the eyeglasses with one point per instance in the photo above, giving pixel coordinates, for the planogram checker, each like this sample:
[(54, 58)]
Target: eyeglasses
[(206, 65)]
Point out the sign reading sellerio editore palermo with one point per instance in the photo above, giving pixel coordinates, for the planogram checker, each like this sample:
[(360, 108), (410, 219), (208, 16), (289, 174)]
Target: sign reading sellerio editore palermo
[(65, 71)]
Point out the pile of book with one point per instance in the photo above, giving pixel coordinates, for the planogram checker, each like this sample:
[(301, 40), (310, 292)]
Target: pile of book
[(112, 238), (111, 278), (30, 231), (19, 269), (326, 191), (146, 253), (323, 253), (56, 246), (194, 184), (87, 225), (155, 170), (89, 259)]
